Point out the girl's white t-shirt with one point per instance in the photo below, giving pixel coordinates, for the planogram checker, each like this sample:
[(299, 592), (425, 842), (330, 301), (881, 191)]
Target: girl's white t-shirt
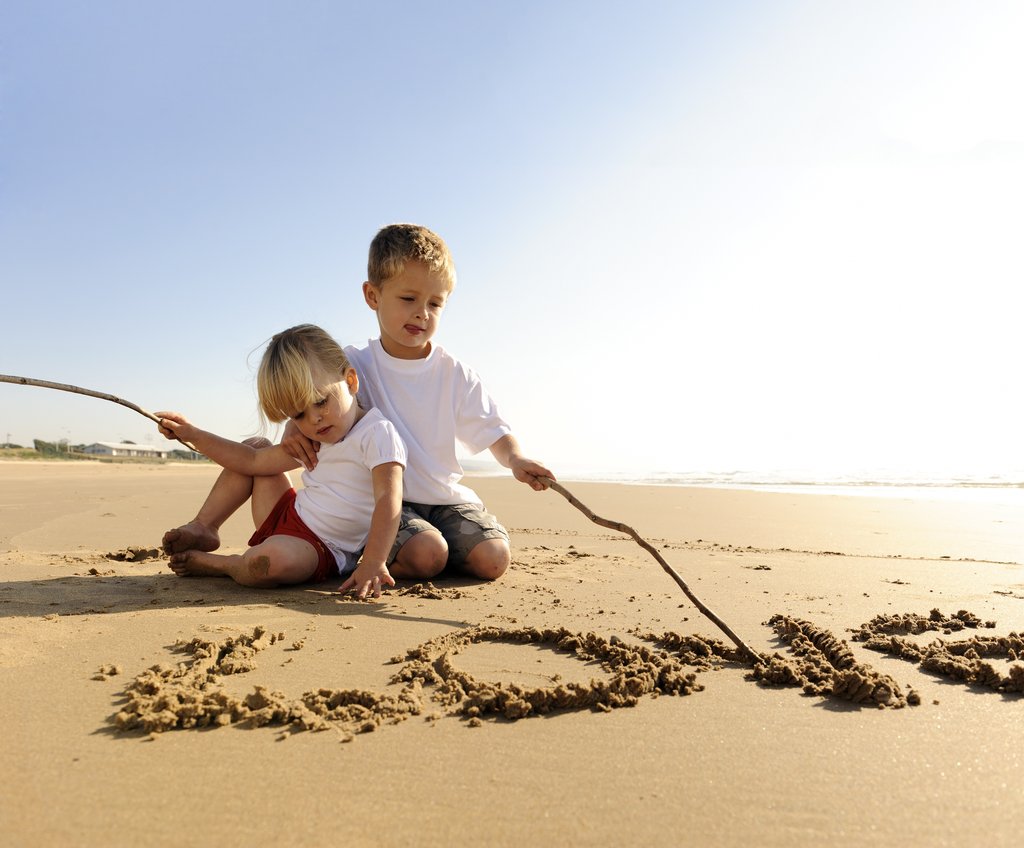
[(433, 403), (336, 499)]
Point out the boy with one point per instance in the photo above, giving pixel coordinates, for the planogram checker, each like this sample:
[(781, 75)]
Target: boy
[(433, 400)]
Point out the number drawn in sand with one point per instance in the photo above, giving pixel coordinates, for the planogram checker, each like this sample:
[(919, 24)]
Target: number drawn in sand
[(431, 684)]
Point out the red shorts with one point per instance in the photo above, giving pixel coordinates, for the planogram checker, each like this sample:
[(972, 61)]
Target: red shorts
[(284, 521)]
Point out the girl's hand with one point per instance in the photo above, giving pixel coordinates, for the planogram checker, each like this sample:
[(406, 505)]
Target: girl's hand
[(173, 425), (298, 447), (367, 579)]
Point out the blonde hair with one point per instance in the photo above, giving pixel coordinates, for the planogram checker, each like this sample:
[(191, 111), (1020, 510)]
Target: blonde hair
[(398, 244), (300, 366)]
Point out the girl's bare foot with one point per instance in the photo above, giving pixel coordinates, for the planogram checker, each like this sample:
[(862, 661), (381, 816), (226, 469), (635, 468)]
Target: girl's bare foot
[(198, 564), (191, 537)]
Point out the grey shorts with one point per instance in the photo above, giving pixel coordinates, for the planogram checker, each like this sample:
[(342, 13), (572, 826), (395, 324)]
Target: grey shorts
[(463, 527)]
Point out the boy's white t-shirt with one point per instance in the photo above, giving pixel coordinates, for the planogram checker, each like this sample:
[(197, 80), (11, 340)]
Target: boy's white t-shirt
[(433, 403), (336, 499)]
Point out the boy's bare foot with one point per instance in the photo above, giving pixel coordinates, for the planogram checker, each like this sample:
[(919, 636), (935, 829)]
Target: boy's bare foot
[(198, 564), (191, 537)]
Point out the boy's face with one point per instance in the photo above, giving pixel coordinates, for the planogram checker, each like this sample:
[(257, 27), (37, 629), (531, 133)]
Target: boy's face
[(408, 308)]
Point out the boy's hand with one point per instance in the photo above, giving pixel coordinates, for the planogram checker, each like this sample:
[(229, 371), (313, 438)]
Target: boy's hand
[(367, 579), (298, 447), (528, 471)]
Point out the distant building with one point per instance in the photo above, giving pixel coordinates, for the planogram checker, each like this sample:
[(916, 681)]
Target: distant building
[(125, 449)]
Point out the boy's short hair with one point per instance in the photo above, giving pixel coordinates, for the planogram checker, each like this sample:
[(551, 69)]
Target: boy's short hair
[(398, 244)]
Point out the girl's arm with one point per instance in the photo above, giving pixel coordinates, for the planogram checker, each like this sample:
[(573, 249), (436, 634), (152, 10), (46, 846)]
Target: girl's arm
[(373, 569), (244, 459)]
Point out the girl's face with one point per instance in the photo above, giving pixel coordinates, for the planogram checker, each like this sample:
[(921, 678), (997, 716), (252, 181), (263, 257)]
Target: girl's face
[(328, 419)]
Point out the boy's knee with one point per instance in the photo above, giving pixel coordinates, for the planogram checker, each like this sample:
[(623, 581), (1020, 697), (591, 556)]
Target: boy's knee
[(422, 557), (489, 559), (421, 567)]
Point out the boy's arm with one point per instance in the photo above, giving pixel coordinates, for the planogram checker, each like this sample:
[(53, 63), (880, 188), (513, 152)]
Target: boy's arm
[(506, 451), (235, 456), (299, 447), (373, 570)]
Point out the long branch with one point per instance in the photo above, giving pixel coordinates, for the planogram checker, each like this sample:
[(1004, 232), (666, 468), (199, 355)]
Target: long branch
[(745, 649), (78, 390)]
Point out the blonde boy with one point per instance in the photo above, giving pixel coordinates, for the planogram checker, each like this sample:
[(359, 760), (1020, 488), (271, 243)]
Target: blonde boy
[(434, 401)]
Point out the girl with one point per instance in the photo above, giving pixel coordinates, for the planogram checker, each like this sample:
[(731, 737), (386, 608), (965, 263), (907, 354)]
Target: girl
[(349, 503)]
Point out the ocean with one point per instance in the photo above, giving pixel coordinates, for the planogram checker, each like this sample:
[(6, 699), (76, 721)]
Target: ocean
[(1005, 487)]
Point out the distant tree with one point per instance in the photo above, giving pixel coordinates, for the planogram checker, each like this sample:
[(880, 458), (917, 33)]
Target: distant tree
[(191, 456)]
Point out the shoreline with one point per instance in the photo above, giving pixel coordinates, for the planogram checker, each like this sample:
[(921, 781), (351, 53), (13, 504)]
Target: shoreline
[(1008, 493)]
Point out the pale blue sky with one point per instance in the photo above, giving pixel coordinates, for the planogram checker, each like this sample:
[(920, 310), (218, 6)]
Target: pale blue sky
[(689, 236)]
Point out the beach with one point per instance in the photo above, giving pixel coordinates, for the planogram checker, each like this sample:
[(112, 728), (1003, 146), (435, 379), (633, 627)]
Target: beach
[(381, 722)]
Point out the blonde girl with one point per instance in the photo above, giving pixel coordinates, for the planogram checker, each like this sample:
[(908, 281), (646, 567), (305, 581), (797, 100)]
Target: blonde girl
[(344, 518)]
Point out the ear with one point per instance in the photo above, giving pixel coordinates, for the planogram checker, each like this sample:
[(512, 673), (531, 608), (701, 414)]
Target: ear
[(352, 381), (371, 294)]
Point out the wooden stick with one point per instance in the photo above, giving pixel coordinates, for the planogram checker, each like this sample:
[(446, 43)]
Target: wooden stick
[(65, 387), (751, 655)]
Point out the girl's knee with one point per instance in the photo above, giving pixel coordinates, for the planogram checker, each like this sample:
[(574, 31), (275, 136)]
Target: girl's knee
[(259, 570), (278, 562)]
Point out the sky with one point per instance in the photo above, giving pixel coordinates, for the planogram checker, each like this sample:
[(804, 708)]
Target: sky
[(690, 236)]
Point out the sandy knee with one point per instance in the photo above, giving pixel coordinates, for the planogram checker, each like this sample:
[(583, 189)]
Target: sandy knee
[(258, 567)]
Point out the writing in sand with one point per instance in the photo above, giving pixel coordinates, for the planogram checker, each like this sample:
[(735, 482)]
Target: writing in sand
[(430, 684)]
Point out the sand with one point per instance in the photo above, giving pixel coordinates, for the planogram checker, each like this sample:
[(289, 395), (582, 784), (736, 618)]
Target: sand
[(581, 699)]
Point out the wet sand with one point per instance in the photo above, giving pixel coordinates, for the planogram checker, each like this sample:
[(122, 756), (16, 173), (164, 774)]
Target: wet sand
[(581, 699)]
